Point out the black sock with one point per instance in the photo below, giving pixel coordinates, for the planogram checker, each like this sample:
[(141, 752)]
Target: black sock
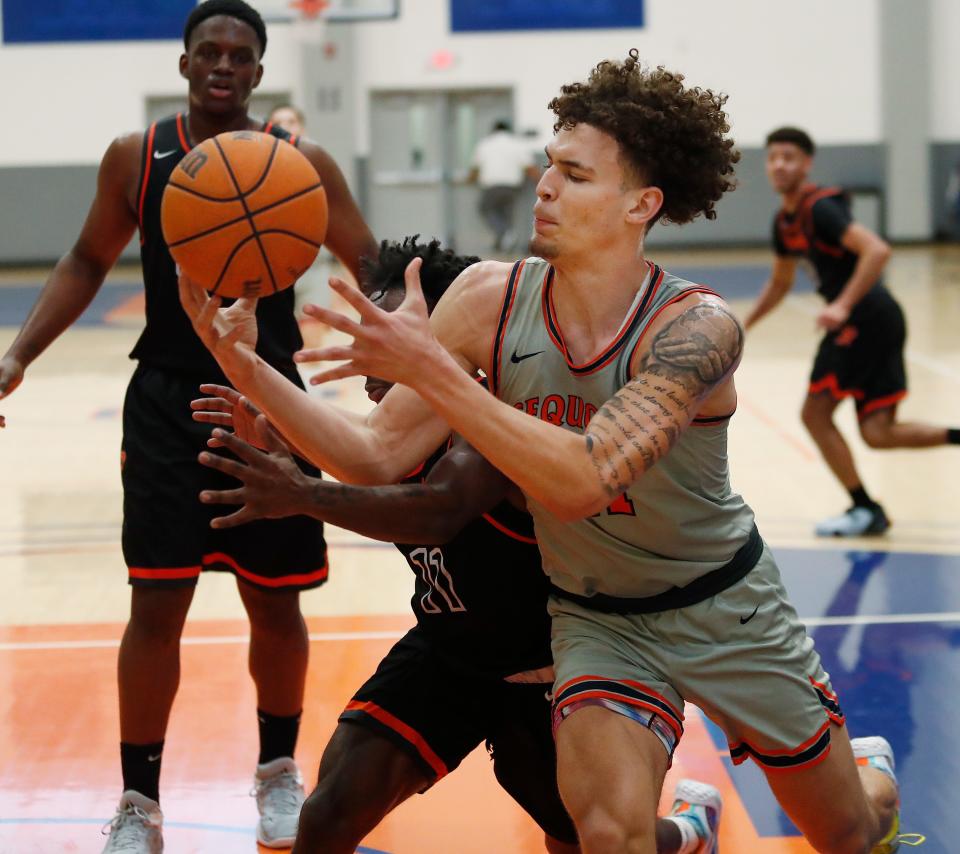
[(140, 765), (278, 735), (953, 436), (861, 499)]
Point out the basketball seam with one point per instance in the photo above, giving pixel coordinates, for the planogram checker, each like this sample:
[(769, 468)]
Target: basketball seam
[(246, 240), (240, 218), (237, 198), (253, 227)]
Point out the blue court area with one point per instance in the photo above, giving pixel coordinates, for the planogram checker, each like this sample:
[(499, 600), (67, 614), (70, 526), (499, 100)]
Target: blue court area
[(887, 626), (17, 300)]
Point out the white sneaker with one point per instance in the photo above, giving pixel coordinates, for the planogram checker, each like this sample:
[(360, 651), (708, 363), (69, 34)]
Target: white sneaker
[(278, 788), (700, 804), (876, 752), (856, 522), (136, 828)]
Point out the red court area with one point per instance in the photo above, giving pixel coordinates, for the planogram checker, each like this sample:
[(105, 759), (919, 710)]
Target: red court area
[(59, 779)]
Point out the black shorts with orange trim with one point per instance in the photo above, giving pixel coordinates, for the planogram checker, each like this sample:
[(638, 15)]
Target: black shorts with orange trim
[(438, 713), (864, 359), (167, 538)]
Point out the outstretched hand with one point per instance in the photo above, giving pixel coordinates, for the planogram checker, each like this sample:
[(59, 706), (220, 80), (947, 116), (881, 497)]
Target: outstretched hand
[(273, 486), (226, 407), (393, 346), (230, 334)]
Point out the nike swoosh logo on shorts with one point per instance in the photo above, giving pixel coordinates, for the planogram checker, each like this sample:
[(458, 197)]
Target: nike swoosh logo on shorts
[(745, 620), (154, 758), (518, 359), (159, 155)]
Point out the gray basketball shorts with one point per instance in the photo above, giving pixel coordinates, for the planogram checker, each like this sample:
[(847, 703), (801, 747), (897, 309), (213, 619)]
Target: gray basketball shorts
[(742, 656)]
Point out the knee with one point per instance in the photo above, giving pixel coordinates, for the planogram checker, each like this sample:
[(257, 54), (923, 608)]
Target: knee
[(602, 832), (814, 417), (326, 824), (875, 435), (272, 611), (850, 836), (157, 616)]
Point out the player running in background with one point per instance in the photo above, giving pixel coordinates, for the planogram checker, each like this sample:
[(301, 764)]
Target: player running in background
[(861, 353)]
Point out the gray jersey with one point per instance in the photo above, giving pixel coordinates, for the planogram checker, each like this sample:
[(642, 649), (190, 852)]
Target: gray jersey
[(680, 520)]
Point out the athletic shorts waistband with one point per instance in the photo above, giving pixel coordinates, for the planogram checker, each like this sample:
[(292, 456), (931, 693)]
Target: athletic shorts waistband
[(696, 591)]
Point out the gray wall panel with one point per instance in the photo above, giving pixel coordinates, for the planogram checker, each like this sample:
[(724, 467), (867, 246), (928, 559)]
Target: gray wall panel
[(42, 208)]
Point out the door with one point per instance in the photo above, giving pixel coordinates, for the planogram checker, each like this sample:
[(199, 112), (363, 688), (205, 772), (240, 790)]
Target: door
[(421, 144)]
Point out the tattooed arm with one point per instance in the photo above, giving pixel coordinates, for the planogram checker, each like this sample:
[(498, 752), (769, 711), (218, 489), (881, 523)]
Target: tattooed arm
[(694, 348), (691, 357)]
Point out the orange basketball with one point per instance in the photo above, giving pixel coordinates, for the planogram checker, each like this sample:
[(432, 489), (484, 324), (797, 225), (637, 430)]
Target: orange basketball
[(244, 214)]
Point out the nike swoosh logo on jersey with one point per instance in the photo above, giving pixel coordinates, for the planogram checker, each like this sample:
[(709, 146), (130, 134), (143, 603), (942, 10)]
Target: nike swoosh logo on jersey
[(745, 620), (518, 359), (159, 155)]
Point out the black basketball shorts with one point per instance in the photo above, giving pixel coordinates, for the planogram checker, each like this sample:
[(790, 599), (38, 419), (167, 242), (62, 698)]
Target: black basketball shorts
[(864, 360), (439, 713), (167, 538)]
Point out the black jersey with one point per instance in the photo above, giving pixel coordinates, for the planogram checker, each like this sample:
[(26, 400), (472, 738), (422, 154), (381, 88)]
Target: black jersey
[(481, 599), (814, 231), (168, 340)]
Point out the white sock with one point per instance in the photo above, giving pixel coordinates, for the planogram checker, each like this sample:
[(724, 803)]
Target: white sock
[(689, 840)]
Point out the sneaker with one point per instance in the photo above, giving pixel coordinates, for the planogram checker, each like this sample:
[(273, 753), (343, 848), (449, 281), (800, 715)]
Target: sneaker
[(875, 752), (856, 522), (137, 826), (700, 804), (278, 789)]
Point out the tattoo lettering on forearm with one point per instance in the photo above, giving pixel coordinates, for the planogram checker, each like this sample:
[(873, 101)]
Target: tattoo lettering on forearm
[(693, 354)]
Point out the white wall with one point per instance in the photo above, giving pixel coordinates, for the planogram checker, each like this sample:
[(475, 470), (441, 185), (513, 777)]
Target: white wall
[(65, 102), (779, 61), (945, 70), (814, 64)]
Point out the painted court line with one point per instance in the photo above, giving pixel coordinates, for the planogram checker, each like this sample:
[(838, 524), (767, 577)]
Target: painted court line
[(326, 637)]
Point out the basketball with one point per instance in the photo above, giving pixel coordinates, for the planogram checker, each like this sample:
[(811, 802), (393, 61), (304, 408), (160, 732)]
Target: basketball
[(244, 214)]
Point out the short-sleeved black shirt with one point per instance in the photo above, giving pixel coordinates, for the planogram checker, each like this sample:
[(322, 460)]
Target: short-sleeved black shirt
[(814, 232)]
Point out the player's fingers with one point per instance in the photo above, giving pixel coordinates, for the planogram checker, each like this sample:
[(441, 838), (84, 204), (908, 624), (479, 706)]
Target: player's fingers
[(208, 312), (269, 437), (3, 421), (247, 303), (358, 300), (338, 373), (223, 391), (242, 516), (220, 419), (211, 404), (243, 449), (222, 496), (227, 466), (411, 280), (336, 320), (192, 298), (325, 354), (249, 407)]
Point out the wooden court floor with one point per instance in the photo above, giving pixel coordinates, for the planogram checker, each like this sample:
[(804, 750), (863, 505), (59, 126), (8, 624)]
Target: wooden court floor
[(885, 613)]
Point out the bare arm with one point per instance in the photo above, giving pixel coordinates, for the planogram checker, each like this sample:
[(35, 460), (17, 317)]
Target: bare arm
[(695, 348), (460, 488), (776, 288), (348, 236), (79, 274)]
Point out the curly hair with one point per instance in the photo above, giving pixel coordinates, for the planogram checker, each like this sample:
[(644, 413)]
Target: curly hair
[(440, 266), (670, 136)]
